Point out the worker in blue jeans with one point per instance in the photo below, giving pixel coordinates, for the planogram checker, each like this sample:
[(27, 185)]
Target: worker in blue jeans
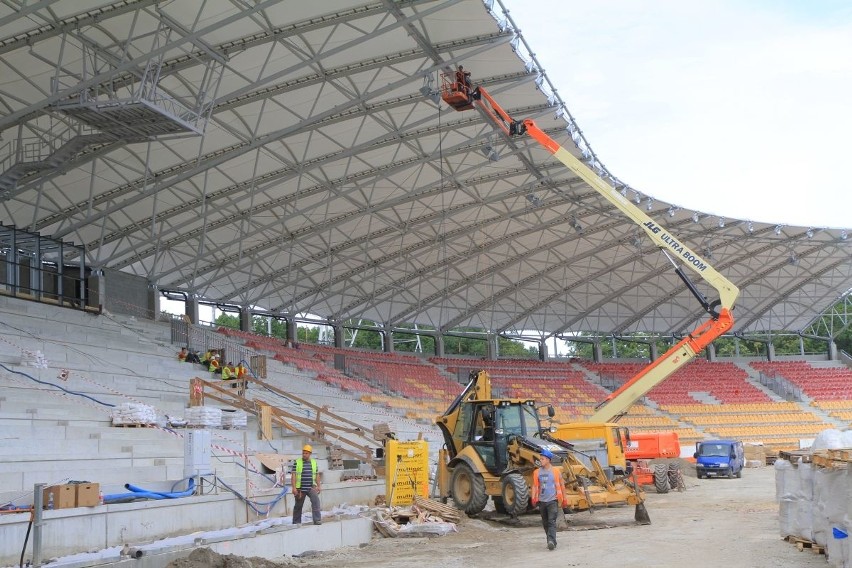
[(548, 493), (305, 481)]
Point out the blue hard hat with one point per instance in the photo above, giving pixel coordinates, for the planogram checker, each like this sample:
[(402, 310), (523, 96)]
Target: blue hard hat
[(547, 453)]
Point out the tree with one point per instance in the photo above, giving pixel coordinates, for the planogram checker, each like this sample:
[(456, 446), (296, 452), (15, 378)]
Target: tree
[(227, 320), (307, 334), (511, 348), (261, 326)]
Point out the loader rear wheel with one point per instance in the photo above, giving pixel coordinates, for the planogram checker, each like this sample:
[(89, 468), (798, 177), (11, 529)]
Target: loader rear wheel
[(661, 478), (515, 493), (468, 490)]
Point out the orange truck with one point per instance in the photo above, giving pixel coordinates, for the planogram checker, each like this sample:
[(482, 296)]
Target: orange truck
[(643, 447)]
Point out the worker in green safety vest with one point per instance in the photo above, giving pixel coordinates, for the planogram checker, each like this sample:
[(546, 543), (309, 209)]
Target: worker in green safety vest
[(305, 481)]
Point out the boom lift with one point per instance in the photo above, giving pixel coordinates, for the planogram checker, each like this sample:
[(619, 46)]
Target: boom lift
[(720, 310), (653, 456)]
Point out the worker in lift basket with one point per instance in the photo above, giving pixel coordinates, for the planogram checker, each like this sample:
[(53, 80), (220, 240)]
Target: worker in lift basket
[(463, 80)]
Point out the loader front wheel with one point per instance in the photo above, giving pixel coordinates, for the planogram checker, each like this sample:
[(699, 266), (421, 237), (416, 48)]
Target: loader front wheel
[(516, 494), (468, 490), (661, 478)]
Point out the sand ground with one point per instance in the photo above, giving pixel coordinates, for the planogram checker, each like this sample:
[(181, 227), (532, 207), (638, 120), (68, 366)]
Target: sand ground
[(715, 522)]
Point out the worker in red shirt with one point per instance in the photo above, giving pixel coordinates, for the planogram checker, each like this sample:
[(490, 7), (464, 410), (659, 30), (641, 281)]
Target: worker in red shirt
[(463, 80)]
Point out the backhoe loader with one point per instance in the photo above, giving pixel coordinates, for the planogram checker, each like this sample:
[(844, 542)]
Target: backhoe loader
[(492, 447)]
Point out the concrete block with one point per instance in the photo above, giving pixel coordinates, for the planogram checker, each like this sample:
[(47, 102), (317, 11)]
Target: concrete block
[(25, 448)]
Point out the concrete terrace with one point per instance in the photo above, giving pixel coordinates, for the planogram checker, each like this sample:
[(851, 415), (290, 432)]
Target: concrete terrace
[(56, 428)]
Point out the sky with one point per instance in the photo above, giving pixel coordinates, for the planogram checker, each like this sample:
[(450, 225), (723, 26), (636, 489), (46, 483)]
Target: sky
[(739, 108)]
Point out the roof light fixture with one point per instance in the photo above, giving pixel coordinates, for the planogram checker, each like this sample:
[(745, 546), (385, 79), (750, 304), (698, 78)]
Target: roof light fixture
[(721, 223), (750, 227), (844, 235), (695, 216), (778, 229), (428, 92), (488, 148), (809, 233), (575, 134), (426, 89), (672, 211)]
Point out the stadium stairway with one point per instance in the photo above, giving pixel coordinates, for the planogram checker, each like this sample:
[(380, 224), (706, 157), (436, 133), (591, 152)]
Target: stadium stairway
[(754, 380)]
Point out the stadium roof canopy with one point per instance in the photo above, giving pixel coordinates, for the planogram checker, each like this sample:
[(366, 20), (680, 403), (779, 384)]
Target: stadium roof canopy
[(294, 156)]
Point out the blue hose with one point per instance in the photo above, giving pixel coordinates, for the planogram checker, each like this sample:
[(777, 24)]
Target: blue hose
[(164, 495), (139, 493), (63, 389)]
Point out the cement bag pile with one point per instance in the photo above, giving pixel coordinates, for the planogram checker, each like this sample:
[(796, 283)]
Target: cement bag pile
[(203, 417), (132, 413)]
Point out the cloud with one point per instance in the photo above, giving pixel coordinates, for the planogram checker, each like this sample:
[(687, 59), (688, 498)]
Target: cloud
[(733, 109)]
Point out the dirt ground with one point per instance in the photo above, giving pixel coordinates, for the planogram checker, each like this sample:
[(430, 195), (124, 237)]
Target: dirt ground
[(715, 522)]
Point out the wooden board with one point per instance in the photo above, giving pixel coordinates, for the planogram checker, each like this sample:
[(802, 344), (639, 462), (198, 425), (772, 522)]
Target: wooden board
[(802, 544)]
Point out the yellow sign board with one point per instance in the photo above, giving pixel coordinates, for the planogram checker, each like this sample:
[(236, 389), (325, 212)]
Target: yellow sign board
[(406, 471)]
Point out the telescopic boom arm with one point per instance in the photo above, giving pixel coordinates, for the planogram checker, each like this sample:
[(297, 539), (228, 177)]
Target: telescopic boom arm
[(618, 402)]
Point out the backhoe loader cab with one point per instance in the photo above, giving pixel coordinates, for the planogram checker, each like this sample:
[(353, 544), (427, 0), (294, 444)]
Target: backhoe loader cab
[(494, 445)]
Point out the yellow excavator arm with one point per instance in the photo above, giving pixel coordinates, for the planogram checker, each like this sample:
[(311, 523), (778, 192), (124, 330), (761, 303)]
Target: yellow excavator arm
[(618, 402)]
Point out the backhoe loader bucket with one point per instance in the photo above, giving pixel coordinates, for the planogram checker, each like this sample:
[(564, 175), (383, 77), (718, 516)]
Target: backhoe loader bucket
[(641, 515)]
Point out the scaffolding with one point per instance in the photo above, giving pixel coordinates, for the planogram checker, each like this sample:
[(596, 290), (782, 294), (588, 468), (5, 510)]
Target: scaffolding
[(105, 96)]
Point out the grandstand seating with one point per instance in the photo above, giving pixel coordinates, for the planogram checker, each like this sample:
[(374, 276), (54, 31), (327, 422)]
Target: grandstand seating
[(551, 382), (724, 381), (823, 383), (779, 425), (838, 409), (406, 384), (701, 400)]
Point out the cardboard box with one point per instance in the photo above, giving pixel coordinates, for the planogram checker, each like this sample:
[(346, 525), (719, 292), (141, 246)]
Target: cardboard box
[(64, 496), (88, 494)]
